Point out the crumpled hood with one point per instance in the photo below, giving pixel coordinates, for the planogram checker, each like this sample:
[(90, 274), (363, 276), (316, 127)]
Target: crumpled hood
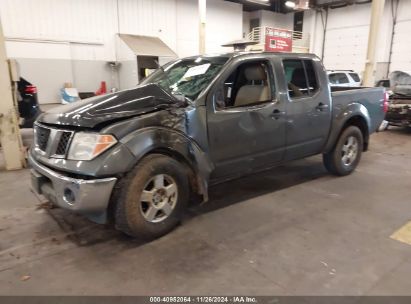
[(92, 111)]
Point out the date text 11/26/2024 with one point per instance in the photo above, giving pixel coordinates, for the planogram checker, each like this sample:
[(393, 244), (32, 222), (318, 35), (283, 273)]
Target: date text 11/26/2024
[(203, 299)]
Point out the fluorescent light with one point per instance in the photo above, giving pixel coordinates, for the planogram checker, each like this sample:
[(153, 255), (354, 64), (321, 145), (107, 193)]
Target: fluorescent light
[(290, 4), (262, 2)]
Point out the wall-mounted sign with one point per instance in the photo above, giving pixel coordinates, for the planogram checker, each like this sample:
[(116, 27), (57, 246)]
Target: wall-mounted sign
[(278, 40)]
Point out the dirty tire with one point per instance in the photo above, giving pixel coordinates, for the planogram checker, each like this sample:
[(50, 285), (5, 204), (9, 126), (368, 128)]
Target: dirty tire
[(333, 160), (127, 212)]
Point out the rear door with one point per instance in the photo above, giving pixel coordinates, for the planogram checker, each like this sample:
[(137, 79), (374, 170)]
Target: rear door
[(308, 107)]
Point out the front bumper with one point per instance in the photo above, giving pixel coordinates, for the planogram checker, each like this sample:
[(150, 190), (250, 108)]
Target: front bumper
[(89, 197)]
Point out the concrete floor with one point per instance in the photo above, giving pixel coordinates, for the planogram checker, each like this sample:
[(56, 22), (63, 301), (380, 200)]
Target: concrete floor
[(292, 231)]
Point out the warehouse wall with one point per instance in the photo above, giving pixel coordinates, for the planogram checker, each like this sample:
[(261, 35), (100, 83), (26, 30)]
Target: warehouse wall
[(277, 20), (187, 28), (268, 18), (347, 38), (224, 24), (71, 41), (401, 59)]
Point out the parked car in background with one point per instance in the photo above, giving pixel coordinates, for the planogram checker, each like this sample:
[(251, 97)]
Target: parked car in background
[(399, 110), (343, 78), (399, 81), (385, 83), (137, 156), (27, 102)]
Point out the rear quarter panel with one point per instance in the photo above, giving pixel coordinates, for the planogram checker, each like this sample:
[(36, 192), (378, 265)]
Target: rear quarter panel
[(350, 102), (371, 98)]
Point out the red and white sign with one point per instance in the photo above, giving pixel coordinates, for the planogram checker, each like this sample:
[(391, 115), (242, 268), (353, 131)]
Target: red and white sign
[(278, 40)]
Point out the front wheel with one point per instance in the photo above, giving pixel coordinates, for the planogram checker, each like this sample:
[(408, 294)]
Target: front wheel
[(346, 154), (151, 199)]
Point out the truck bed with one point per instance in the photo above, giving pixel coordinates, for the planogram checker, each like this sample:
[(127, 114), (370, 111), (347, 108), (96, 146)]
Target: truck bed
[(371, 98)]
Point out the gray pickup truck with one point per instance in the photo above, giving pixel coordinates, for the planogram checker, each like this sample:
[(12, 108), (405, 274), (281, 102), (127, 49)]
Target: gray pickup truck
[(138, 156)]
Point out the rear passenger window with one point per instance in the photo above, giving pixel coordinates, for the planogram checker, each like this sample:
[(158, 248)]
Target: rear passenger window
[(301, 77), (355, 77), (338, 78)]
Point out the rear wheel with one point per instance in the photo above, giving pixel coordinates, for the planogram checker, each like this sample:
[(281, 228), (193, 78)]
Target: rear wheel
[(152, 198), (346, 154)]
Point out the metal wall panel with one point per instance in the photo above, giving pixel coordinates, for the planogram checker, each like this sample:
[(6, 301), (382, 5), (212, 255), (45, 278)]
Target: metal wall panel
[(83, 22), (76, 20), (401, 49), (151, 18), (91, 22), (90, 25), (76, 38)]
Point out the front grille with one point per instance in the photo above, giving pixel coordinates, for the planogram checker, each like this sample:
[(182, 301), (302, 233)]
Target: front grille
[(52, 142), (63, 143), (42, 137)]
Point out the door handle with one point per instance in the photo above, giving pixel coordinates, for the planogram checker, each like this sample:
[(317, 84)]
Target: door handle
[(322, 106), (277, 114)]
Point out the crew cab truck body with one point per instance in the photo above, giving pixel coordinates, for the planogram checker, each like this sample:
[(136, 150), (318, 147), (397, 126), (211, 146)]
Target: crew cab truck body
[(137, 156)]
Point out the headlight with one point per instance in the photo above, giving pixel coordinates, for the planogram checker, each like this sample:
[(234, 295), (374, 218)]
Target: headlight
[(86, 146)]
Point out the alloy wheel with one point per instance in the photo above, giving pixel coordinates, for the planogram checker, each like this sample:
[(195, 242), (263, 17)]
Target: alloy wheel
[(158, 198), (349, 151)]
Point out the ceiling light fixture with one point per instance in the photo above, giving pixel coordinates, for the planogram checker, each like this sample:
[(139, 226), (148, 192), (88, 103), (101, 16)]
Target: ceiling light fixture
[(262, 2), (290, 4)]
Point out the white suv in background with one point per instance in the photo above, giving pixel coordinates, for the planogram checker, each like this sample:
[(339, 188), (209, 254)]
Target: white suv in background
[(343, 78)]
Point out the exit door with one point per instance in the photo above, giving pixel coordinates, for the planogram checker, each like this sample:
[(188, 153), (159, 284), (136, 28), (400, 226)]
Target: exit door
[(146, 65)]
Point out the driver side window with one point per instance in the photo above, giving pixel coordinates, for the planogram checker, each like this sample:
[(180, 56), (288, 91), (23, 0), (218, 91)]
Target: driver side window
[(249, 84)]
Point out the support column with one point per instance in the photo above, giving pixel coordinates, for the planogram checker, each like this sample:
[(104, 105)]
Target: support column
[(377, 9), (202, 29), (10, 138)]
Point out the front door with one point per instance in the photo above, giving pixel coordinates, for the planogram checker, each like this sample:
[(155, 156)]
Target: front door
[(246, 128)]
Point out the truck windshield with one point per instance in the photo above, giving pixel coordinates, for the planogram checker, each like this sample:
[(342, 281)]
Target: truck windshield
[(187, 77)]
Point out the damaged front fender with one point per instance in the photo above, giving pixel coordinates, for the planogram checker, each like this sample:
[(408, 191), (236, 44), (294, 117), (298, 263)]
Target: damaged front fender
[(174, 143)]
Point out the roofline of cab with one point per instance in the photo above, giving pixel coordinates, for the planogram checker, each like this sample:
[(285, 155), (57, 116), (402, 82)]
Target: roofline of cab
[(231, 55)]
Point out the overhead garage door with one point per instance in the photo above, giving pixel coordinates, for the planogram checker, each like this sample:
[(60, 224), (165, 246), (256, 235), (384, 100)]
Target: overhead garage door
[(346, 38), (346, 48), (401, 48)]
